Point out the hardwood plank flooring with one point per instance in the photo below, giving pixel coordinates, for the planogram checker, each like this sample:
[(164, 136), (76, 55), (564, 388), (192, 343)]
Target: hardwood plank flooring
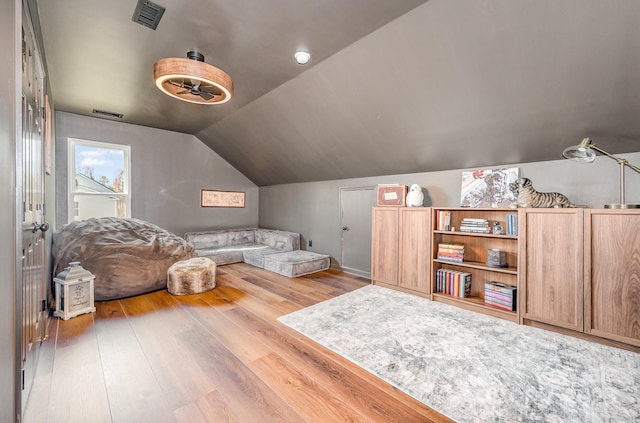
[(219, 356)]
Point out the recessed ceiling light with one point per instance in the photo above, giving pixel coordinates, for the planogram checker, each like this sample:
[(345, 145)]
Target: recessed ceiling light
[(302, 57)]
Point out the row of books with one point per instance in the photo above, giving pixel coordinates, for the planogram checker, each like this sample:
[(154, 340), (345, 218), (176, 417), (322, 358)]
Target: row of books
[(512, 224), (474, 225), (451, 252), (443, 221), (500, 295), (453, 282)]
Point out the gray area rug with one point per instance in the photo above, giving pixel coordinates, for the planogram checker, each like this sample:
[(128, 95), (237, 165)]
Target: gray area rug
[(472, 367)]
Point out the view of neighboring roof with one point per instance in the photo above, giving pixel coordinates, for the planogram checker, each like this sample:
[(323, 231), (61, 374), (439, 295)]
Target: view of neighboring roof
[(83, 181)]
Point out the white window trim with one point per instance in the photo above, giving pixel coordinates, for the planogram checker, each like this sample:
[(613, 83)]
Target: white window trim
[(71, 180)]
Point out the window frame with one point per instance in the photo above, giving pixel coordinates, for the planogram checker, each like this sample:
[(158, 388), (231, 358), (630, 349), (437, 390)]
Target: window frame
[(71, 173)]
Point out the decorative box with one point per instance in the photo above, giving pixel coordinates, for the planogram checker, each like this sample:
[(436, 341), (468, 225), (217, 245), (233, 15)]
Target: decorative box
[(74, 291), (392, 195), (496, 258)]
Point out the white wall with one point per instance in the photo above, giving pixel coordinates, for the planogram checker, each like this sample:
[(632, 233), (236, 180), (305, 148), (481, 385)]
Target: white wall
[(168, 170), (313, 208)]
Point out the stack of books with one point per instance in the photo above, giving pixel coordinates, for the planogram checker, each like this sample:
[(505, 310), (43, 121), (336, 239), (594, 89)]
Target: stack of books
[(500, 295), (453, 282), (512, 224), (475, 225), (451, 252)]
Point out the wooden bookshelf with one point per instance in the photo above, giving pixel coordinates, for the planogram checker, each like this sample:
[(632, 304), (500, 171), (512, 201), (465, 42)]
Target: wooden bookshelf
[(475, 258)]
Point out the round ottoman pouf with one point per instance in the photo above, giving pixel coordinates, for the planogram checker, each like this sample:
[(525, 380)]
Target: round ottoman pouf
[(191, 276)]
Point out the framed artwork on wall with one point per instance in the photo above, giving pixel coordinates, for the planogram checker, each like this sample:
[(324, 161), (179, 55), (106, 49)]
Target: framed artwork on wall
[(217, 198), (488, 188)]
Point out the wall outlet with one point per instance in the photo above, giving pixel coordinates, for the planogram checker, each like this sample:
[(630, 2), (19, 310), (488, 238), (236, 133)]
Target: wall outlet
[(310, 243)]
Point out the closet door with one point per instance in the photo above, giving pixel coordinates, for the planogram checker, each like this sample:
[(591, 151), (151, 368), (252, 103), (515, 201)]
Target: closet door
[(551, 267), (384, 245), (31, 217), (415, 249), (612, 274)]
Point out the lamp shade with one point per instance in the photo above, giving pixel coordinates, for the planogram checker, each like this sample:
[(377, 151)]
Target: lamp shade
[(581, 152)]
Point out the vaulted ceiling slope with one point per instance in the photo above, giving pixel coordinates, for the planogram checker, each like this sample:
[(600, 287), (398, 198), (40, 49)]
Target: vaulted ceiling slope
[(450, 84)]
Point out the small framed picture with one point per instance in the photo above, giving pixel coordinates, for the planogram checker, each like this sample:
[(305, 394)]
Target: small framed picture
[(216, 198), (392, 195)]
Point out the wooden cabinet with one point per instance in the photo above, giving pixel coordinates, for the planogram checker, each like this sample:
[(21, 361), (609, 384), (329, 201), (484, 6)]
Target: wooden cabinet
[(612, 274), (384, 245), (415, 247), (475, 258), (401, 247), (551, 264), (576, 271), (580, 270)]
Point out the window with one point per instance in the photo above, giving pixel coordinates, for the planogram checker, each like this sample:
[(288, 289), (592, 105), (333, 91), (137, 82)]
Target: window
[(99, 182)]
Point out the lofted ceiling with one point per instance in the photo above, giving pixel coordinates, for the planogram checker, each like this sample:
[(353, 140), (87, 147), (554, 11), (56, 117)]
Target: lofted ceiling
[(393, 87)]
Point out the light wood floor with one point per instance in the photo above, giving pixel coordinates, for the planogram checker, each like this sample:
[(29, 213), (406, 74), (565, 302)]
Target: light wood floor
[(219, 356)]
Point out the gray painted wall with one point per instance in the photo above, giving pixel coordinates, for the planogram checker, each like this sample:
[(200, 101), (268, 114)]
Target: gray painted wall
[(168, 170), (313, 208), (451, 84), (9, 346)]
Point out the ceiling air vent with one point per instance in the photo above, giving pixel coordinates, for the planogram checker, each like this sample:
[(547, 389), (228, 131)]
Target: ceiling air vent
[(108, 114), (148, 14)]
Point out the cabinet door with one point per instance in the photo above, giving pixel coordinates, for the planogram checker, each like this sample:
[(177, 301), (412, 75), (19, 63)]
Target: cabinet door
[(384, 245), (612, 275), (551, 266), (415, 249)]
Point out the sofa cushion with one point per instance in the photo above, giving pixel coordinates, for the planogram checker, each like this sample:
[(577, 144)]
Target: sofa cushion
[(241, 237), (296, 263), (256, 257), (222, 257), (283, 240), (207, 239)]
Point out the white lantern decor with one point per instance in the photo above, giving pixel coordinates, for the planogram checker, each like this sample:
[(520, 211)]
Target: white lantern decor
[(74, 291)]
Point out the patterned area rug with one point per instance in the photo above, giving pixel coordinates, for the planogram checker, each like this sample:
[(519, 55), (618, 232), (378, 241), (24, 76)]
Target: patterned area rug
[(472, 367)]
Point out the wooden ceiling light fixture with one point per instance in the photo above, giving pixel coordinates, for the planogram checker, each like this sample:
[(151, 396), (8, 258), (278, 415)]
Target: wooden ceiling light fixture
[(193, 80)]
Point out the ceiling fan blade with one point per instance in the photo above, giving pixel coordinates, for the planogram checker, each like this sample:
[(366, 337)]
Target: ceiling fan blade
[(206, 95), (211, 90), (184, 92), (177, 84)]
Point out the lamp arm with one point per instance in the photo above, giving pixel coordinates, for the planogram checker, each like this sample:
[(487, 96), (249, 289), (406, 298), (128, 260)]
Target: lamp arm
[(616, 158)]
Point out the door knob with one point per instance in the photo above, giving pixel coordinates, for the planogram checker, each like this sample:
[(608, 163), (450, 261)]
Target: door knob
[(345, 228), (44, 227)]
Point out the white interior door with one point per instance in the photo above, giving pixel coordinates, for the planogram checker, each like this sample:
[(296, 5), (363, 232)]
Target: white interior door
[(355, 219), (32, 219)]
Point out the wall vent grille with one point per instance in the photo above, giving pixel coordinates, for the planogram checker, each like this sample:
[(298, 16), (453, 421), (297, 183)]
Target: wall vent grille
[(148, 14), (109, 114)]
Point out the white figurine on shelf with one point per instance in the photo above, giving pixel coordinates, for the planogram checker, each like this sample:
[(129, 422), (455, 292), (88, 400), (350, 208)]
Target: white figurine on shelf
[(415, 197)]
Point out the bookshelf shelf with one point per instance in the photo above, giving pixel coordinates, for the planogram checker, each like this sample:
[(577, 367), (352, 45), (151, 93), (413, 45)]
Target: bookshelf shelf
[(476, 246), (471, 234), (480, 266), (476, 304)]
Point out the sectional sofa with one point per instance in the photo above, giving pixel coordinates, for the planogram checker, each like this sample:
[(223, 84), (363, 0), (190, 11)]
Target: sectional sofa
[(274, 250)]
